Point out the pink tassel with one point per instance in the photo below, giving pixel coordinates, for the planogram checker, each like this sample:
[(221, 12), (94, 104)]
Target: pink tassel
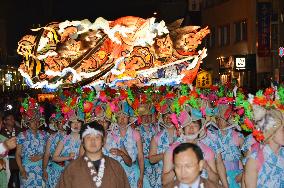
[(174, 119), (41, 109), (241, 111), (113, 107), (203, 97), (202, 109)]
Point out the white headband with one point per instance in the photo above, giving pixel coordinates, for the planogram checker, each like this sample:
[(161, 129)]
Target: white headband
[(91, 131)]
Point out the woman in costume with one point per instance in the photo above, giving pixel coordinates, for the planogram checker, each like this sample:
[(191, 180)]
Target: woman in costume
[(30, 148), (160, 143), (147, 131), (193, 132), (124, 145), (68, 149), (265, 166), (51, 169), (231, 143), (212, 140)]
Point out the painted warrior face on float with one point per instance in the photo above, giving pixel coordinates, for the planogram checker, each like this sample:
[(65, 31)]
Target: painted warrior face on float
[(164, 47)]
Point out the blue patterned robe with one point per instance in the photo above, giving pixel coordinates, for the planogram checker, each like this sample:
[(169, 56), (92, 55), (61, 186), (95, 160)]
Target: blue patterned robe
[(70, 146), (54, 170), (115, 140), (247, 146), (163, 144), (32, 145), (213, 142), (231, 155), (271, 170), (146, 140)]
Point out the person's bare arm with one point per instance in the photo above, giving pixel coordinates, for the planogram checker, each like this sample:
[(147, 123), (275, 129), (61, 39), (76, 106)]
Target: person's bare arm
[(251, 173), (140, 161), (221, 170), (56, 156), (212, 171), (241, 142), (168, 172), (123, 154), (45, 160), (19, 161), (153, 156)]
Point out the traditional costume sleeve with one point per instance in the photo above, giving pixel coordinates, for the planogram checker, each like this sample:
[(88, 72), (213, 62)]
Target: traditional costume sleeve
[(65, 179), (20, 138), (46, 136), (247, 143)]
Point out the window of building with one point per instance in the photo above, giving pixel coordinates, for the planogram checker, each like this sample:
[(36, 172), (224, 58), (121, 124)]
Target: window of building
[(194, 5), (212, 3), (207, 3), (224, 35), (212, 38), (241, 31)]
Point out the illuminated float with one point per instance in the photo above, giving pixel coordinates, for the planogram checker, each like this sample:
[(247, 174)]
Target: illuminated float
[(127, 51)]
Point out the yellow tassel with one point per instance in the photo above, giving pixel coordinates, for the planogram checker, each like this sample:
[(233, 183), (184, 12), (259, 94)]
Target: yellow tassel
[(38, 67), (108, 111)]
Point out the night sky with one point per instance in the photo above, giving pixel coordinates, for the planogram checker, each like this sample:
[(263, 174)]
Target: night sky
[(22, 15)]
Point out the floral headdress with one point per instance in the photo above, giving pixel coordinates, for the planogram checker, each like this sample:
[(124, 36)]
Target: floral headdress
[(262, 108), (31, 111)]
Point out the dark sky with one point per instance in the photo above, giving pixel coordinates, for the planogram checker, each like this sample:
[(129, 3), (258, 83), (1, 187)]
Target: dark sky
[(22, 15)]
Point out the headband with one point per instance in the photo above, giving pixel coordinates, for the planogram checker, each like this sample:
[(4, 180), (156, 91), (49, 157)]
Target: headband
[(91, 131)]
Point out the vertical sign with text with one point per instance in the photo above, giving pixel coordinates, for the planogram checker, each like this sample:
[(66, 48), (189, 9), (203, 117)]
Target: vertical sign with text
[(264, 10)]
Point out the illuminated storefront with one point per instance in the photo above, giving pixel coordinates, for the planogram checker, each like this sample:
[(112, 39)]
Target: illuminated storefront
[(11, 79), (238, 67)]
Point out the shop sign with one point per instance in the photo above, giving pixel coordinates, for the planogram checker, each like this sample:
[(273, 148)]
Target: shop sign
[(240, 63), (264, 10)]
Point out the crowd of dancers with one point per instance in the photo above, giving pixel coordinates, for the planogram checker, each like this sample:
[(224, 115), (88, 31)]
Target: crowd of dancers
[(149, 147)]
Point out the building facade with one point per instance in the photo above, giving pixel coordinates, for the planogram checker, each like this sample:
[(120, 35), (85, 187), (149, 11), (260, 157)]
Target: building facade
[(244, 40)]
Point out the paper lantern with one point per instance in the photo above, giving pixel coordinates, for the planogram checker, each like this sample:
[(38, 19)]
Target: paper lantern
[(204, 79)]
